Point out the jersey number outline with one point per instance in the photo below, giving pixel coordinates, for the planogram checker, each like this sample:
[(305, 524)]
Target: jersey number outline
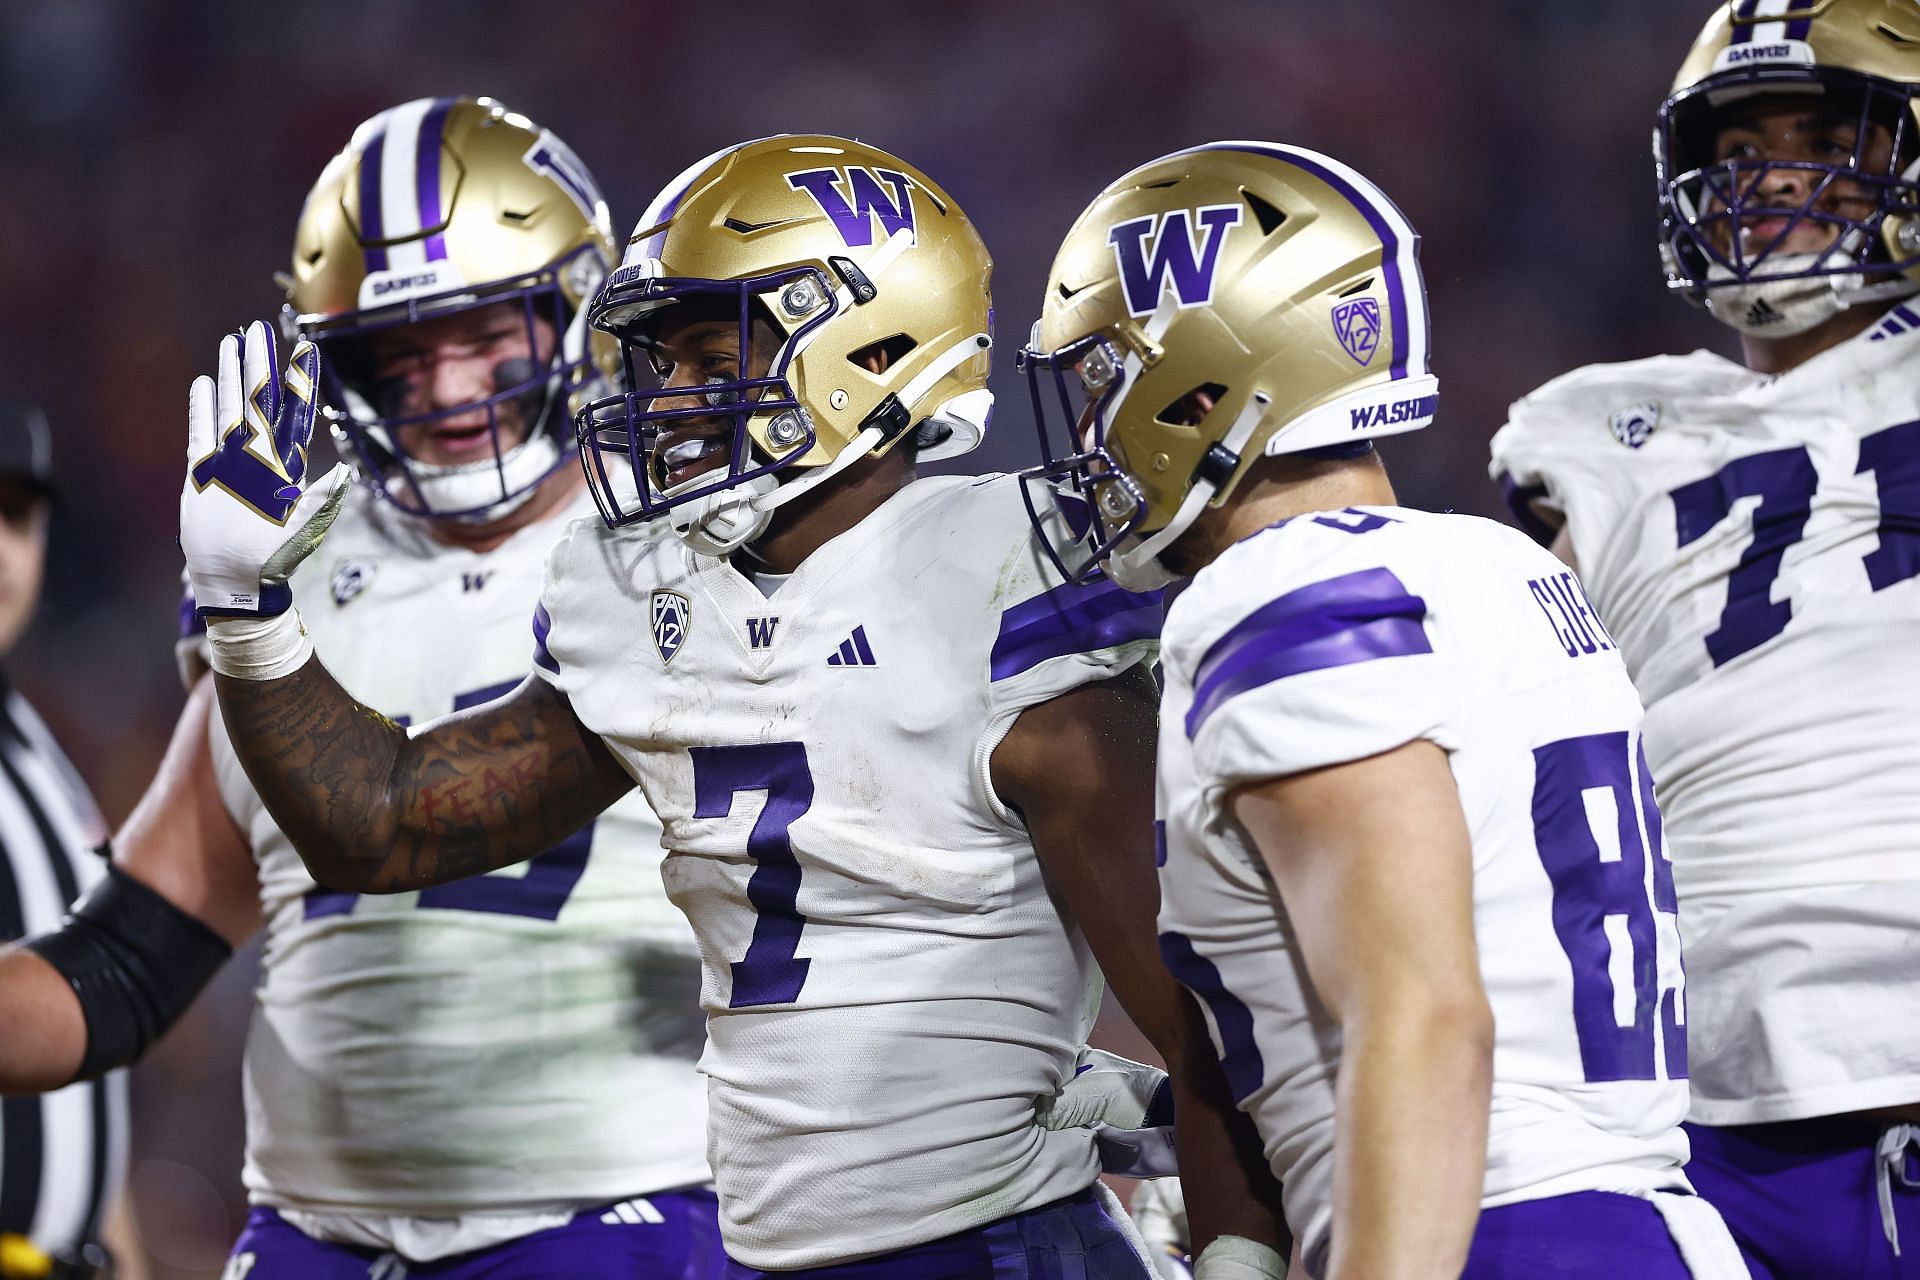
[(1609, 892), (1785, 482), (771, 972), (539, 894)]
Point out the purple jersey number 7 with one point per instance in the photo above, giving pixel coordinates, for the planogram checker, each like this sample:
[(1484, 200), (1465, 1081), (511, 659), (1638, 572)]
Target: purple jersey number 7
[(770, 973)]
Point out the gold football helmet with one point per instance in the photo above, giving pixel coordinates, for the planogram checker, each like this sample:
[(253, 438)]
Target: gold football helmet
[(1219, 304), (844, 251), (437, 206), (1861, 60)]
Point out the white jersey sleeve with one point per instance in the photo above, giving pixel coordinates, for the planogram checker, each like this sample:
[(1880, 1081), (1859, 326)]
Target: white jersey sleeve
[(1329, 661), (889, 987), (515, 1045)]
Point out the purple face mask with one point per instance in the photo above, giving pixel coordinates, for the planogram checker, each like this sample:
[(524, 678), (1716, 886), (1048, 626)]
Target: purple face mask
[(1706, 204), (629, 427), (369, 419), (1088, 505)]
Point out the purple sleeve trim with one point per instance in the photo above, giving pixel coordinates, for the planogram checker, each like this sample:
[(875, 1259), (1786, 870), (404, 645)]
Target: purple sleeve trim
[(1240, 1059), (1520, 499), (542, 624), (1071, 618), (1356, 617)]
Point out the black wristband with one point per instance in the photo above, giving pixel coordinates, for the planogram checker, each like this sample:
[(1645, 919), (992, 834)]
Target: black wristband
[(135, 960)]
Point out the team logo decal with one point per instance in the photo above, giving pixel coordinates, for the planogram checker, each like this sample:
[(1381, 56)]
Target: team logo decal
[(672, 612), (1180, 249), (350, 578), (1633, 426), (1357, 324), (855, 197)]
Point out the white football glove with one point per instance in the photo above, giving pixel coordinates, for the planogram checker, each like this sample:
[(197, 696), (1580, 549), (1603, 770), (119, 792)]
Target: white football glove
[(1128, 1105), (1159, 1213), (247, 515)]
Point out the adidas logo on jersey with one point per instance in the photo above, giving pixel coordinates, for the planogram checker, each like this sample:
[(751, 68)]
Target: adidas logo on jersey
[(632, 1213), (1760, 314), (854, 651)]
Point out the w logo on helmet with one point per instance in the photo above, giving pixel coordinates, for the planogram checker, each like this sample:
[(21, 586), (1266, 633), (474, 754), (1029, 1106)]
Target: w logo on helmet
[(854, 198), (1158, 250)]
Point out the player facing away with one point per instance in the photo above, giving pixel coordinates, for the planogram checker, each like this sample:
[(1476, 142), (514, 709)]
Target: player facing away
[(848, 693), (493, 1077), (1412, 865), (1750, 533)]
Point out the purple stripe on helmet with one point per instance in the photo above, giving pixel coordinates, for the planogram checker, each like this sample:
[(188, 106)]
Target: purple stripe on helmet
[(1743, 30), (1159, 827), (1389, 242), (542, 625), (1071, 618), (1356, 617), (1800, 28), (426, 168), (371, 228)]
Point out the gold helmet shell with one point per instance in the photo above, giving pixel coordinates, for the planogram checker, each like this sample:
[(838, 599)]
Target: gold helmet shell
[(435, 206), (1862, 52), (843, 249), (1219, 304)]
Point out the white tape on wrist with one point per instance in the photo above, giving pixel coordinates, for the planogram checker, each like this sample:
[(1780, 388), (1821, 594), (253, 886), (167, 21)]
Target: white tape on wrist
[(258, 648), (1238, 1258)]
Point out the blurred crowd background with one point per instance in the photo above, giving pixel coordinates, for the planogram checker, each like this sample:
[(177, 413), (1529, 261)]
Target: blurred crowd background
[(153, 159)]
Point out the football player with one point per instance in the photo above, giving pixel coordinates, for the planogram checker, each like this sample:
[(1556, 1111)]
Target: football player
[(1751, 534), (848, 693), (1451, 1012), (502, 1068)]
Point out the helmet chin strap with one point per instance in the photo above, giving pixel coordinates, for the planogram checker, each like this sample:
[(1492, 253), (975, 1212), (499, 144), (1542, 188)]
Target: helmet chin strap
[(1138, 567)]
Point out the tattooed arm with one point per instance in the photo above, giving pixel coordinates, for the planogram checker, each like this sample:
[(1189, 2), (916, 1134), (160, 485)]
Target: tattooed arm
[(374, 810)]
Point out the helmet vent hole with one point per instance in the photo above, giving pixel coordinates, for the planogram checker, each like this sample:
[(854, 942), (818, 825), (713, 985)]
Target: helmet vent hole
[(877, 357), (1898, 37), (1361, 287), (1156, 186), (315, 256), (1267, 214), (1191, 409), (516, 215)]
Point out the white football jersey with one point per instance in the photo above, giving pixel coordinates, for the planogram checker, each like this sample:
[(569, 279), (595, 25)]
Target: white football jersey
[(889, 988), (1753, 542), (515, 1044), (1337, 636)]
